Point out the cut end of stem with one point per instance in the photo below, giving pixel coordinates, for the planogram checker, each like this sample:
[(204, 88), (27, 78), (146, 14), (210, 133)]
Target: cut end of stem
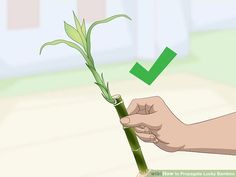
[(118, 99)]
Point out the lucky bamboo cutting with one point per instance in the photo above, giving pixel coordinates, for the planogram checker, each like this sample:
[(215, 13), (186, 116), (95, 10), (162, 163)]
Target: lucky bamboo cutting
[(82, 42)]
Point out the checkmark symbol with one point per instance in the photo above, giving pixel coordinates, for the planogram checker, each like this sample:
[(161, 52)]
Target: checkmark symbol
[(160, 64)]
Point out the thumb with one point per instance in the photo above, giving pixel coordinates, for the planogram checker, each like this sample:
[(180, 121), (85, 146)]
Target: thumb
[(134, 120)]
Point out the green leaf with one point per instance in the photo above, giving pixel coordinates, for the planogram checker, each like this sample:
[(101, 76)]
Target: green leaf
[(83, 27), (105, 97), (100, 22), (72, 33), (101, 86), (80, 29), (108, 90), (91, 68), (103, 81), (107, 86), (77, 23), (82, 37), (109, 99), (62, 41)]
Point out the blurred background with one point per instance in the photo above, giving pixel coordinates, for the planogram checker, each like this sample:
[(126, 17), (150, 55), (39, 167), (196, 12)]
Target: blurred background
[(53, 120)]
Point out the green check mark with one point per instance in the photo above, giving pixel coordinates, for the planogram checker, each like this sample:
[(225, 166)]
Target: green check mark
[(160, 64)]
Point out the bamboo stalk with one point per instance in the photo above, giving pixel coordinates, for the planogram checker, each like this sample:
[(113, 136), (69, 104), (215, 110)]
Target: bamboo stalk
[(81, 42), (131, 137)]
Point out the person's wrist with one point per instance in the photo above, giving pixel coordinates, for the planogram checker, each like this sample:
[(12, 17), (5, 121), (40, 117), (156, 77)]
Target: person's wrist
[(191, 138), (187, 137)]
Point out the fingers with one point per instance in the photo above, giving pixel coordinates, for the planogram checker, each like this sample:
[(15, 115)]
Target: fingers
[(151, 121), (145, 132), (149, 138), (142, 130), (133, 108), (144, 105), (138, 105), (134, 120)]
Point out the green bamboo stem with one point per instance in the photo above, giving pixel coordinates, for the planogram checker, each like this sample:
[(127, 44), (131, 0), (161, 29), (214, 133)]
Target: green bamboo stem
[(131, 137), (81, 42)]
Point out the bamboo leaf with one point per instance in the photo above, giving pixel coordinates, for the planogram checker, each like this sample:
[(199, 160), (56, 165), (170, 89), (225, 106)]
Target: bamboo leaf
[(77, 23), (108, 90), (106, 94), (83, 28), (108, 86), (89, 66), (101, 86), (110, 100), (102, 78), (104, 97), (73, 33), (100, 22), (80, 29), (62, 41)]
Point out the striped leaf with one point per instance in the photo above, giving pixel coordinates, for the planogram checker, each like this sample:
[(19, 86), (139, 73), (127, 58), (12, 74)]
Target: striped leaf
[(100, 22), (70, 44)]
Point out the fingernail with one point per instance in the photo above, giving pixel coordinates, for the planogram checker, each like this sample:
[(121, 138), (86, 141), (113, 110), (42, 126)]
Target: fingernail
[(125, 120)]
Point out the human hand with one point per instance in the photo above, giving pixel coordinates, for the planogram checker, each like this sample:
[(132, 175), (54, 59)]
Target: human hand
[(154, 122)]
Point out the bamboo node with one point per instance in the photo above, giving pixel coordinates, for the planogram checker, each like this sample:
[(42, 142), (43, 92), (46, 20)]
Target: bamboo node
[(137, 149)]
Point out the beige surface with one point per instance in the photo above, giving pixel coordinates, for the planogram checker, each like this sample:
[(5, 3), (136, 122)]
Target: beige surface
[(75, 133)]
